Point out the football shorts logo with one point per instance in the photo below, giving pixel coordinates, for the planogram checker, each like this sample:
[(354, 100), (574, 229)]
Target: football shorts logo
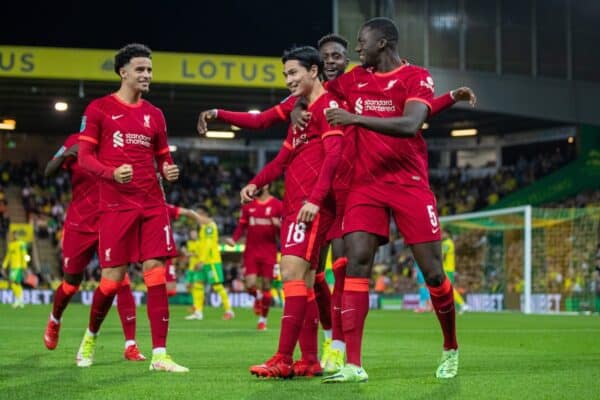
[(67, 262), (147, 121), (358, 106), (391, 84), (118, 139), (107, 254)]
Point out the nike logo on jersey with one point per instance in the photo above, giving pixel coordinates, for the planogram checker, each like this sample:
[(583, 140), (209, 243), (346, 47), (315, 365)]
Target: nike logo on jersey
[(391, 84), (435, 230), (252, 209), (115, 117), (362, 84)]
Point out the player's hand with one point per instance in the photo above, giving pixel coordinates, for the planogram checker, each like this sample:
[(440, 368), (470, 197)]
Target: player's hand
[(170, 172), (123, 174), (230, 242), (247, 193), (203, 118), (464, 94), (308, 212), (300, 117), (72, 151), (339, 116)]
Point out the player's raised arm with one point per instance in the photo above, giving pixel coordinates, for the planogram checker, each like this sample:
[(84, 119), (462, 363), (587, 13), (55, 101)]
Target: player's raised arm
[(448, 99)]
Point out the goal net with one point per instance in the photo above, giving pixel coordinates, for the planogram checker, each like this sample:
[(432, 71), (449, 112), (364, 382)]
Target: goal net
[(536, 260)]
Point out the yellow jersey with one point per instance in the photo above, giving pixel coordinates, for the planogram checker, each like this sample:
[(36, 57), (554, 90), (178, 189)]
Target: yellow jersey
[(209, 244), (194, 248), (448, 257), (15, 255)]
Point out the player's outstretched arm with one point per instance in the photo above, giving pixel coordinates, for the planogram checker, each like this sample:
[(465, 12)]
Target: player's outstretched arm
[(447, 100), (244, 120), (415, 113)]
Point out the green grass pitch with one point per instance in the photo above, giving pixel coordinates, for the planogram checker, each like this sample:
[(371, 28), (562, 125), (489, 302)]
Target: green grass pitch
[(503, 356)]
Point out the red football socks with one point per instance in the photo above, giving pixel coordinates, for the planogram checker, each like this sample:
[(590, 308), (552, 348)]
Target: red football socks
[(339, 272), (442, 299), (158, 305), (323, 298), (355, 306), (294, 311), (126, 308), (265, 303), (62, 297), (310, 329), (103, 299)]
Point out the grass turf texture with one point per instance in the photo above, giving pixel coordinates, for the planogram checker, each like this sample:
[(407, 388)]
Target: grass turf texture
[(503, 356)]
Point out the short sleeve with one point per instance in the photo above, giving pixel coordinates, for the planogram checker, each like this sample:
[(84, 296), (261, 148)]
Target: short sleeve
[(420, 87)]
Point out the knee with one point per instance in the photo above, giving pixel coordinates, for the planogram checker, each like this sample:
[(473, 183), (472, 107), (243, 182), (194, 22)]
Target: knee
[(435, 278), (359, 264), (74, 280)]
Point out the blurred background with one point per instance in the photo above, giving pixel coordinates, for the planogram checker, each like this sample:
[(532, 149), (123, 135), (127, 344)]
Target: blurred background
[(532, 139)]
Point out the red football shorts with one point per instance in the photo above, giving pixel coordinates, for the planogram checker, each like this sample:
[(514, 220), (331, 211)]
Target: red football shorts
[(170, 272), (335, 230), (135, 235), (304, 240), (413, 208), (260, 265), (78, 249)]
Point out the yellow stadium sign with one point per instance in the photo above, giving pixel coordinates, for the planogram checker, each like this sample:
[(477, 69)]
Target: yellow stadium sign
[(179, 68)]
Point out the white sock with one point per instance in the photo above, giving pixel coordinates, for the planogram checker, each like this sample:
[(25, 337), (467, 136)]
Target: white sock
[(159, 350), (90, 333), (338, 345), (56, 321), (327, 333), (262, 319), (129, 343)]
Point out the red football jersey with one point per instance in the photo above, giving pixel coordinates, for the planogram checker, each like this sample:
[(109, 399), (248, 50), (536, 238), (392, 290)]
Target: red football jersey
[(127, 134), (173, 211), (82, 213), (257, 219), (304, 166), (381, 158)]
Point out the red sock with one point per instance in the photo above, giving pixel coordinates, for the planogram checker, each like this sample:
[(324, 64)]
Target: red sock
[(292, 320), (266, 303), (103, 299), (310, 329), (158, 305), (62, 297), (323, 297), (442, 299), (355, 306), (251, 292), (339, 271), (126, 308)]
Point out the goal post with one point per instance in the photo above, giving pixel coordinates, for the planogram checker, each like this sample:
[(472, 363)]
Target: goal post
[(534, 260)]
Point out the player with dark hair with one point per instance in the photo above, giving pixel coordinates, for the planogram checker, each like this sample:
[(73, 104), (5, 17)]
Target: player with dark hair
[(391, 99), (310, 157), (122, 141), (79, 243), (259, 221)]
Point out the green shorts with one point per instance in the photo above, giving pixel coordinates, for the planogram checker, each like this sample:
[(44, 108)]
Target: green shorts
[(192, 277), (16, 275), (213, 273), (450, 275), (277, 284)]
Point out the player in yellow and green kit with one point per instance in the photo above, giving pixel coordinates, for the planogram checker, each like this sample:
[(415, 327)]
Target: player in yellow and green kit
[(449, 264), (208, 268), (194, 277), (15, 262)]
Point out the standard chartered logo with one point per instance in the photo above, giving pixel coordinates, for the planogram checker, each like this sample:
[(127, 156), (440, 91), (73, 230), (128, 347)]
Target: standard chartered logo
[(118, 139), (358, 106)]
